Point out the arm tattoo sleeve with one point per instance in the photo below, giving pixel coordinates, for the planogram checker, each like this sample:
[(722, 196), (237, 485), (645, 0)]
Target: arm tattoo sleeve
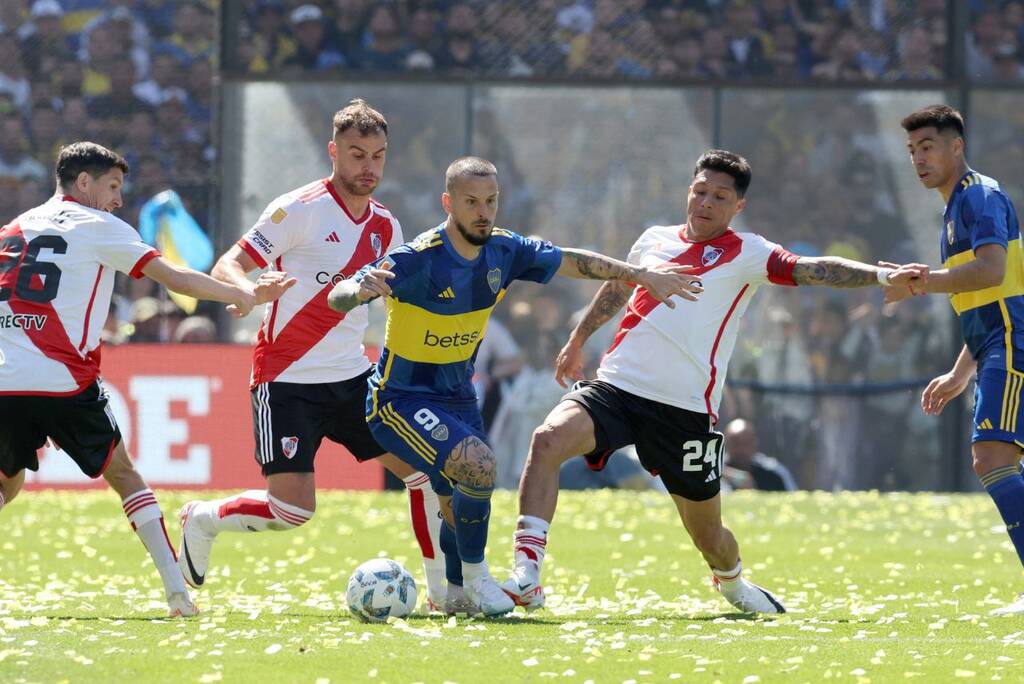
[(834, 272), (606, 303), (598, 266)]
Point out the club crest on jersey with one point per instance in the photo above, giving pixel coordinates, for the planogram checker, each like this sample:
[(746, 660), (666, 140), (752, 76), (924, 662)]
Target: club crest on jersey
[(494, 279), (289, 446), (376, 244), (440, 433), (711, 255), (949, 232)]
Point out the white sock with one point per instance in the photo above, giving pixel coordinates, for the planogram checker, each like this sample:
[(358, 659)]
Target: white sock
[(251, 511), (729, 578), (148, 522), (425, 512), (2, 500), (529, 543), (473, 571)]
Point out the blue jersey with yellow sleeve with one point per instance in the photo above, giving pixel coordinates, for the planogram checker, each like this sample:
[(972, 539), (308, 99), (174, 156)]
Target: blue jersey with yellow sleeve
[(979, 213), (439, 307)]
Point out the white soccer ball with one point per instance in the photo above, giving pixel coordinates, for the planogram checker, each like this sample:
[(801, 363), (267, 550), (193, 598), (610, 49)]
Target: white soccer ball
[(379, 589)]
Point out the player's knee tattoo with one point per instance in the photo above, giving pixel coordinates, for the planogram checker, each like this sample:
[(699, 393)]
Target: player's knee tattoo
[(472, 462)]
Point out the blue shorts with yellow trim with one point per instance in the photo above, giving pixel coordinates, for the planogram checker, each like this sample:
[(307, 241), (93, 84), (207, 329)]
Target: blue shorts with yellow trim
[(422, 432), (997, 399)]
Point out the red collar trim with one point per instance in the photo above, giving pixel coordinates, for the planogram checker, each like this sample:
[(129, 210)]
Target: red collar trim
[(682, 236), (69, 198), (341, 203)]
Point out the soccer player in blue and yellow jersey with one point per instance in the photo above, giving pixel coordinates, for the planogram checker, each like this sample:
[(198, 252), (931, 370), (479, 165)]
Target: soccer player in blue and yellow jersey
[(983, 273), (440, 290)]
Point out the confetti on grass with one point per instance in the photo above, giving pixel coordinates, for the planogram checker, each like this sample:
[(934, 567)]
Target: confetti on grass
[(893, 586)]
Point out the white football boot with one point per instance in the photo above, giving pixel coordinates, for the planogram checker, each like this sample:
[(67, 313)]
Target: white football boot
[(457, 603), (747, 596), (195, 547), (1015, 608), (180, 604), (525, 589), (488, 594)]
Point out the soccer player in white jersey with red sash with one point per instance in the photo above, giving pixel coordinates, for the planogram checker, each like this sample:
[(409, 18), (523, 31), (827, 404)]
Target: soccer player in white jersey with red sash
[(309, 367), (659, 385), (57, 265)]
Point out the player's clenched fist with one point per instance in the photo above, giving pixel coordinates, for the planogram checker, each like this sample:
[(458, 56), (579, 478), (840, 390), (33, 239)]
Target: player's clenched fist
[(666, 281), (375, 284), (243, 304), (569, 364)]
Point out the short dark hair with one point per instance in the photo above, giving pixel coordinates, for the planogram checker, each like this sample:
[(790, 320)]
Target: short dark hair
[(726, 162), (467, 166), (94, 159), (361, 116), (942, 117)]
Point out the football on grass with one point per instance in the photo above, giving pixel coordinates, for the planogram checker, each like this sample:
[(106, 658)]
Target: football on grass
[(379, 589)]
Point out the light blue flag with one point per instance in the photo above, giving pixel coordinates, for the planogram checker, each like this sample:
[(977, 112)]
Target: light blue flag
[(165, 224)]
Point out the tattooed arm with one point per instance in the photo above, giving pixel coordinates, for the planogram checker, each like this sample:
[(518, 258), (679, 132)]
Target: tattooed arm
[(836, 272), (605, 305), (662, 283), (581, 263)]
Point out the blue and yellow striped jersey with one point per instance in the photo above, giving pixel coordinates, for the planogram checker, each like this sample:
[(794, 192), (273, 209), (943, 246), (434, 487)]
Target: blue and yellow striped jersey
[(439, 307), (979, 213)]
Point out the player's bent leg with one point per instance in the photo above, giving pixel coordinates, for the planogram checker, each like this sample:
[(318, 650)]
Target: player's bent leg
[(425, 514), (996, 464), (473, 467), (703, 522), (9, 487), (288, 502), (143, 511), (566, 432)]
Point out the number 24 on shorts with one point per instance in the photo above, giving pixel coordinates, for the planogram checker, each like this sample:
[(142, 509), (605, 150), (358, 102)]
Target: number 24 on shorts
[(698, 452)]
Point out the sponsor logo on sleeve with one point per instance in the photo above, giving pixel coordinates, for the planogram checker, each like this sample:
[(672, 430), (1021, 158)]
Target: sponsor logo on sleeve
[(262, 242)]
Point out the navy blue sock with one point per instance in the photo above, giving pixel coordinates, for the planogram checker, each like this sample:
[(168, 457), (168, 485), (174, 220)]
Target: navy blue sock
[(1006, 487), (452, 562), (472, 509)]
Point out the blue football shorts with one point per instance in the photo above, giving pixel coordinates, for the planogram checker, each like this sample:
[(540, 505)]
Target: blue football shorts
[(997, 399), (422, 431)]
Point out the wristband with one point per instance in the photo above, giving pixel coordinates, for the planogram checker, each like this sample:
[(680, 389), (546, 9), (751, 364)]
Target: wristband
[(883, 276)]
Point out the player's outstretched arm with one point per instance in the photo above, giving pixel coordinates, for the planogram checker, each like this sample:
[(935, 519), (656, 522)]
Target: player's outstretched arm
[(661, 283), (606, 303), (199, 285), (834, 271), (350, 293), (986, 270), (233, 268)]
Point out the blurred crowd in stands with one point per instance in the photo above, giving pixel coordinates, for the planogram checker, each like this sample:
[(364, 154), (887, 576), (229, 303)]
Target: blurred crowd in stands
[(785, 40)]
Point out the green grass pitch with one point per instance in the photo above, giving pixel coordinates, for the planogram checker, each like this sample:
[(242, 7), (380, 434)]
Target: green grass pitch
[(880, 588)]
